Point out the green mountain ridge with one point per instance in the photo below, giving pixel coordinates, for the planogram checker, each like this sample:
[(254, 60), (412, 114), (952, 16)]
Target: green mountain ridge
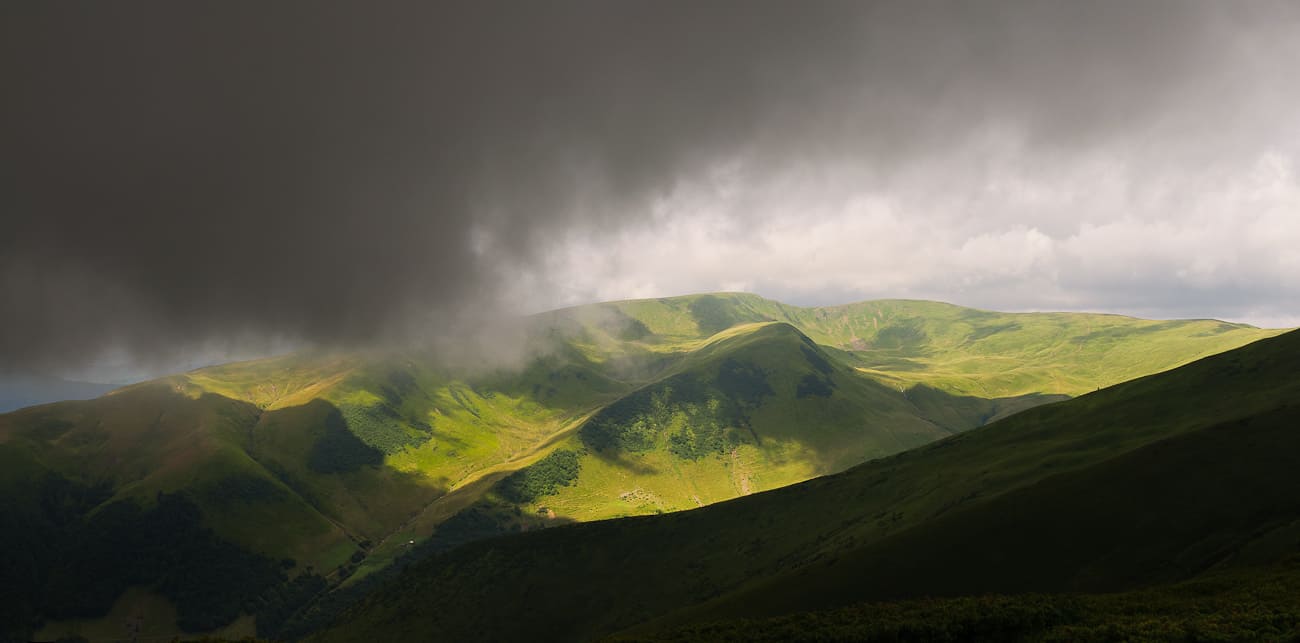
[(956, 349), (1182, 475), (341, 464)]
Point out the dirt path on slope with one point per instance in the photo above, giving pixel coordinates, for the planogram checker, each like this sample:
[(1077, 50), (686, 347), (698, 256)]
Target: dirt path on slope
[(739, 473)]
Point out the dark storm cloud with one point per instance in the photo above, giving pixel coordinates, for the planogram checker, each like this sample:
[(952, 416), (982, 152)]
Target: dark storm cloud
[(174, 172)]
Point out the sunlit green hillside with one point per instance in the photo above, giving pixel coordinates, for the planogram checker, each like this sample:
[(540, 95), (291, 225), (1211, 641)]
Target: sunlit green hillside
[(1184, 475), (324, 468), (959, 350)]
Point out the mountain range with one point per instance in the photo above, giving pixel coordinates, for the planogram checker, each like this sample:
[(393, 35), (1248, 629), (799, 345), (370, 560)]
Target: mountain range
[(1158, 509), (267, 496)]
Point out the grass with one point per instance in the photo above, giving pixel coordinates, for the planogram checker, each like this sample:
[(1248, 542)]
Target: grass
[(966, 351), (842, 385), (1170, 477), (138, 614), (1241, 605), (768, 445)]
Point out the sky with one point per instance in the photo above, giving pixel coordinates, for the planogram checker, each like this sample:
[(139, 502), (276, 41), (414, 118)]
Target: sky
[(185, 181)]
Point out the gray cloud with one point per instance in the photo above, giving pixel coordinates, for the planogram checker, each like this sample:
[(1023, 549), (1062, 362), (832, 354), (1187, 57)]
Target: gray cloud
[(175, 173)]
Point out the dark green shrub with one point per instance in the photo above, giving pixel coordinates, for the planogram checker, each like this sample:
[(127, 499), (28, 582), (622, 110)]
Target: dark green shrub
[(544, 478), (338, 450)]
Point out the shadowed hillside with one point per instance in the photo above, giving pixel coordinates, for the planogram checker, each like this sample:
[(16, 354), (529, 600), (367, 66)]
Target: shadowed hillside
[(343, 464), (1181, 475)]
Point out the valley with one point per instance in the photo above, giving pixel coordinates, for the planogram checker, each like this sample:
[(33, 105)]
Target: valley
[(341, 465), (1147, 508)]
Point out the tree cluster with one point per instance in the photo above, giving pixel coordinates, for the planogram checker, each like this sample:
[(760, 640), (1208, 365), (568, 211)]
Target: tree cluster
[(69, 556)]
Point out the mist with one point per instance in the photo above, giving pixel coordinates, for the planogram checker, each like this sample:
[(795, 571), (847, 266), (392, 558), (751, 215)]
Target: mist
[(252, 176)]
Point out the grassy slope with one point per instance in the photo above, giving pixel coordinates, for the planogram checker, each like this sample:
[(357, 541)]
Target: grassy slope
[(784, 437), (788, 437), (155, 615), (248, 464), (447, 438), (947, 360), (1254, 604), (453, 431), (962, 350), (150, 438), (607, 349), (1115, 489), (1217, 486)]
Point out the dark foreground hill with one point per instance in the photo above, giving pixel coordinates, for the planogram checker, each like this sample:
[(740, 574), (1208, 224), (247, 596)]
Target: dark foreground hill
[(1255, 604), (1187, 476)]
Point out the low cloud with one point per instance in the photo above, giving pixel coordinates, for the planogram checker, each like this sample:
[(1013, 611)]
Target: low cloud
[(1224, 244), (185, 175)]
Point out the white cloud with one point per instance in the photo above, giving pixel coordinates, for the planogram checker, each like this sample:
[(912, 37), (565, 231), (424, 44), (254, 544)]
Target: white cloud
[(992, 231)]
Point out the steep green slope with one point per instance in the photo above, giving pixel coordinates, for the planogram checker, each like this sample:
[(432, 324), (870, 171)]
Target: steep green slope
[(85, 508), (319, 464), (959, 350), (343, 463), (1255, 604), (756, 407), (1156, 480)]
